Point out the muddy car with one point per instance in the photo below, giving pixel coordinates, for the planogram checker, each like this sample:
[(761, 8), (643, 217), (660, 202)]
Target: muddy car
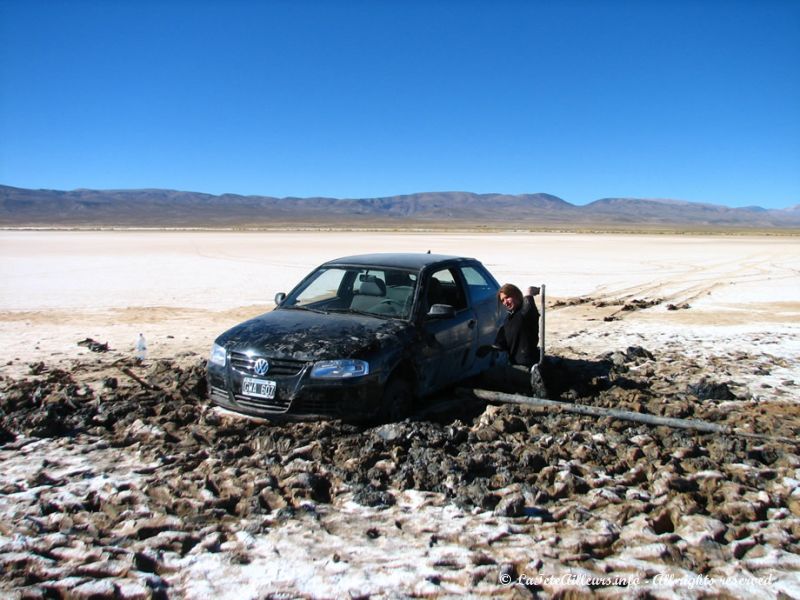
[(360, 337)]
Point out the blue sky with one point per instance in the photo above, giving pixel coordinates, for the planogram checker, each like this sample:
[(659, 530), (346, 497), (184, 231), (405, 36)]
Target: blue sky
[(584, 99)]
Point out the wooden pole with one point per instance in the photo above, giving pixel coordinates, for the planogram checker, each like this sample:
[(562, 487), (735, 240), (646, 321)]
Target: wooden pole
[(625, 415)]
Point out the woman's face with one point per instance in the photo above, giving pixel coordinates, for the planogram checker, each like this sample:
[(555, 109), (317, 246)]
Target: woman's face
[(508, 301)]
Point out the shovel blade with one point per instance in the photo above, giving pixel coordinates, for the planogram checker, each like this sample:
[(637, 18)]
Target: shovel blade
[(538, 387)]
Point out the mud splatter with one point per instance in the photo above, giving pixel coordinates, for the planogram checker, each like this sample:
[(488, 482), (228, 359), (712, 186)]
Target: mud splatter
[(120, 480)]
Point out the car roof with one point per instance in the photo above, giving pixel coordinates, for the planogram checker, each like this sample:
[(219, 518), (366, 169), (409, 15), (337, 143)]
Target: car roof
[(403, 260)]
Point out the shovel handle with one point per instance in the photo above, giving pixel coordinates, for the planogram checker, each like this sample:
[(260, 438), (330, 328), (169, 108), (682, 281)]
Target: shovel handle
[(541, 326)]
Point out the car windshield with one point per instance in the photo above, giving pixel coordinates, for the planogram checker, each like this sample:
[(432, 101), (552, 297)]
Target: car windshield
[(379, 291)]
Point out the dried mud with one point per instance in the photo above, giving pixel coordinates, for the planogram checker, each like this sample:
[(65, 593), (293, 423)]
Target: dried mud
[(167, 479)]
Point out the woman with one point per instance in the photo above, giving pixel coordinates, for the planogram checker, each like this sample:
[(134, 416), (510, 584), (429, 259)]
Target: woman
[(519, 335)]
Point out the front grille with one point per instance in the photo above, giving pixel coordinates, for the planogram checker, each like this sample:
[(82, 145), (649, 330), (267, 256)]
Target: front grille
[(278, 367), (219, 395), (275, 405)]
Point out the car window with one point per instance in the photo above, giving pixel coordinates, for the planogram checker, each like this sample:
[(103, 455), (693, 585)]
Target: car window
[(445, 288), (479, 286), (379, 291), (324, 285)]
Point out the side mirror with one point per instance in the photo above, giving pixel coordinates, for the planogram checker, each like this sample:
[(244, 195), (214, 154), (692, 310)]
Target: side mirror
[(441, 311), (279, 298)]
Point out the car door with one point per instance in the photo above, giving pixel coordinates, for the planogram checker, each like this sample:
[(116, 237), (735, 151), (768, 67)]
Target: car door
[(482, 292), (448, 345)]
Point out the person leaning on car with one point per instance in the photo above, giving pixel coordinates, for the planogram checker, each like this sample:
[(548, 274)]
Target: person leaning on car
[(519, 335), (519, 338)]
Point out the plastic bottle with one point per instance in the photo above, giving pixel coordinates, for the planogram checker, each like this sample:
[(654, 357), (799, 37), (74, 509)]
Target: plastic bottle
[(141, 348)]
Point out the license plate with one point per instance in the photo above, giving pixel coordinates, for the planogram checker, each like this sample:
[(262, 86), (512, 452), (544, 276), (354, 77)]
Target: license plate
[(260, 388)]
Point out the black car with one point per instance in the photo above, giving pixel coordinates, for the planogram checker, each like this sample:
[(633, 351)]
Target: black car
[(361, 336)]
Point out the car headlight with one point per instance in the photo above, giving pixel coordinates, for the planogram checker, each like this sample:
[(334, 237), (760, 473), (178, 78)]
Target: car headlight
[(340, 369), (218, 355)]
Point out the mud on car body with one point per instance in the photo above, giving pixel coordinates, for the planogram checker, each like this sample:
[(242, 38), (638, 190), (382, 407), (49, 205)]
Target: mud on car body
[(360, 337)]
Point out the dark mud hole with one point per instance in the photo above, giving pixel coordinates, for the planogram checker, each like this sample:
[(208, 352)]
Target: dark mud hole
[(207, 471)]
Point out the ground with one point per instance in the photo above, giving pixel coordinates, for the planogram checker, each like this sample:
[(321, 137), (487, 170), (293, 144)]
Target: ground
[(119, 480)]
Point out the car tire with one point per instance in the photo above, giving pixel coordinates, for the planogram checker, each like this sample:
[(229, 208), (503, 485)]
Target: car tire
[(397, 400)]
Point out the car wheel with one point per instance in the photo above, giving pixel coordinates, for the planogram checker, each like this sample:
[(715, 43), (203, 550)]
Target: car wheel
[(397, 400)]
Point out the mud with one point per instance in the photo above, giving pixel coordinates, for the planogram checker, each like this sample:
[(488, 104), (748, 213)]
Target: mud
[(166, 478)]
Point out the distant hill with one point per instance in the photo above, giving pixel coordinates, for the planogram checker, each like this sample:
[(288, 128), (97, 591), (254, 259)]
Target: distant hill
[(175, 209)]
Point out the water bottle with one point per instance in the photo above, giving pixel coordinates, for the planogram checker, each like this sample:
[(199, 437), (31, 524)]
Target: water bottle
[(141, 348)]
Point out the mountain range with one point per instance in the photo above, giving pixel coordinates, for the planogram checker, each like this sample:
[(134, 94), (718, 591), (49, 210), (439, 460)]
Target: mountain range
[(147, 208)]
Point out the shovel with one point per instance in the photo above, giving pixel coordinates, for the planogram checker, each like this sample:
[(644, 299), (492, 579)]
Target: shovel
[(537, 381)]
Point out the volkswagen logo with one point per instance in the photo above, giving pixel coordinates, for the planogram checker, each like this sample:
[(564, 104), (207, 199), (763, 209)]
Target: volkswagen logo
[(261, 366)]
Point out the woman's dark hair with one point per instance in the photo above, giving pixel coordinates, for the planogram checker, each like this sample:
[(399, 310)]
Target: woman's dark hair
[(509, 289)]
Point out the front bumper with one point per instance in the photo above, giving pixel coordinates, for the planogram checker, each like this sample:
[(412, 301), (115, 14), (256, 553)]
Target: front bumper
[(296, 393)]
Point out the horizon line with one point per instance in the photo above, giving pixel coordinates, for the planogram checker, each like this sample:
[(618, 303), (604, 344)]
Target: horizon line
[(402, 195)]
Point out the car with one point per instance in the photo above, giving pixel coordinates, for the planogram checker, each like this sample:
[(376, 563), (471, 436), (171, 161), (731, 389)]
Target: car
[(360, 337)]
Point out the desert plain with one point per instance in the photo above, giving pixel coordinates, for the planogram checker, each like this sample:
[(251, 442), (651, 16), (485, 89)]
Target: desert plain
[(182, 288), (530, 504)]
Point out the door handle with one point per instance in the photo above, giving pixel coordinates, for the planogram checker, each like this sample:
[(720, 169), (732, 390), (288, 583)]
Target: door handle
[(471, 323)]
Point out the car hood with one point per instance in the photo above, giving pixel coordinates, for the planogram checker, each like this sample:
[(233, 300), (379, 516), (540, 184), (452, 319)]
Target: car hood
[(309, 336)]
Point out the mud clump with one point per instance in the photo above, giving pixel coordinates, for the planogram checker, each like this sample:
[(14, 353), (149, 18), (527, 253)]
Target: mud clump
[(709, 390), (200, 479), (94, 345)]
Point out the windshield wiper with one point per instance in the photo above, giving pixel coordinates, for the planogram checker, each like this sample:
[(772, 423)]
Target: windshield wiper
[(355, 311), (316, 310)]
